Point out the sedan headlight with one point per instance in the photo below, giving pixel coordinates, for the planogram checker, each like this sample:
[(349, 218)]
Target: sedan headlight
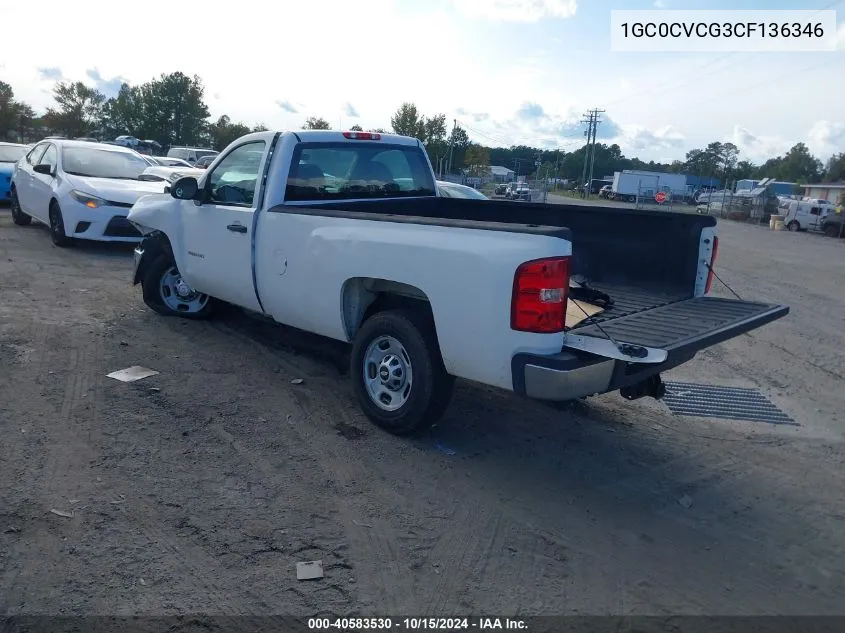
[(92, 202)]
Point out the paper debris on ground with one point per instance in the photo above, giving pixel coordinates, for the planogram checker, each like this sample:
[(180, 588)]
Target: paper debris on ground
[(131, 374), (577, 311), (62, 513), (685, 502), (310, 570), (297, 381)]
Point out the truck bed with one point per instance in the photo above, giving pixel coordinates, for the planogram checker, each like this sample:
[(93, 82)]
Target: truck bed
[(629, 299), (644, 255)]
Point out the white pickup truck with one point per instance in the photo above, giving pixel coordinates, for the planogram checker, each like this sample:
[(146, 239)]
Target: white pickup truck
[(343, 234)]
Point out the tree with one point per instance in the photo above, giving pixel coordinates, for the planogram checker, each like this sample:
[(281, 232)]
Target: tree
[(378, 130), (835, 169), (478, 160), (744, 170), (459, 142), (174, 110), (79, 111), (123, 114), (407, 121), (223, 132), (434, 137), (260, 128), (800, 166), (356, 128), (316, 123)]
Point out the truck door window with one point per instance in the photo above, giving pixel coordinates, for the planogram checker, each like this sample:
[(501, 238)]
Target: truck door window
[(815, 211), (235, 178)]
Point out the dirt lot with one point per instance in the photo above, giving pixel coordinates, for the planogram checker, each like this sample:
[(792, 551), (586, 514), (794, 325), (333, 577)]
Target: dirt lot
[(198, 490)]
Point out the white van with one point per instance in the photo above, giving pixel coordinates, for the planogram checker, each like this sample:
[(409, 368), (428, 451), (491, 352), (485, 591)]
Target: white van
[(805, 216), (190, 154)]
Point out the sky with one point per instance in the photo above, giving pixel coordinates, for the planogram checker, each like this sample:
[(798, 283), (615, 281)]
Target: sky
[(507, 71)]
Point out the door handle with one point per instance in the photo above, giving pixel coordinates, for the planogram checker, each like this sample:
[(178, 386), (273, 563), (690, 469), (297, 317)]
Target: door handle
[(237, 228)]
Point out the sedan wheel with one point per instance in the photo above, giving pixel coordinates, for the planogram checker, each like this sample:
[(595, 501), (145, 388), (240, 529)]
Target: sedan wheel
[(18, 216), (57, 227)]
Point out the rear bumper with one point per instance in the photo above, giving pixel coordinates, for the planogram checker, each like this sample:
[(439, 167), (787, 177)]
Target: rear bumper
[(571, 375)]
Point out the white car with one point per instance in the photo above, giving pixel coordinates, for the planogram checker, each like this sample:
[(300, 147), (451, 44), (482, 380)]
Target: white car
[(171, 173), (453, 190), (80, 190)]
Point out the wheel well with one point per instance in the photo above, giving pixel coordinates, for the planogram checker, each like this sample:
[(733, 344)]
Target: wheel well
[(154, 244), (363, 297), (52, 202)]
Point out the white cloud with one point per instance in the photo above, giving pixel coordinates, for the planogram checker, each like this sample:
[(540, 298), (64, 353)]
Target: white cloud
[(638, 138), (826, 138), (659, 4), (758, 148), (517, 10)]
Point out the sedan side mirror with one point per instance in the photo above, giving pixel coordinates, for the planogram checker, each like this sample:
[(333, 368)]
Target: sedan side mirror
[(47, 170), (185, 188)]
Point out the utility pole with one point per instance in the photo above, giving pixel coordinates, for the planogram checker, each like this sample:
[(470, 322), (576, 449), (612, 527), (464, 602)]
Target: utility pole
[(557, 168), (592, 120), (451, 145), (596, 121), (588, 134)]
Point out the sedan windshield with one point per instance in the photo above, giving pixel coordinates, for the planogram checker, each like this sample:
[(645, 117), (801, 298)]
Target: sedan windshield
[(12, 153), (102, 163)]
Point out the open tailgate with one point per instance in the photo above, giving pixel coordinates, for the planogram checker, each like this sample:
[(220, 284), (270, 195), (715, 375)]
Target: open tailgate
[(684, 326)]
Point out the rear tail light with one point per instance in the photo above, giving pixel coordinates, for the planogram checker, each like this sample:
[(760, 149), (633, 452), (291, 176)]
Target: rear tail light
[(540, 290), (712, 265), (362, 136)]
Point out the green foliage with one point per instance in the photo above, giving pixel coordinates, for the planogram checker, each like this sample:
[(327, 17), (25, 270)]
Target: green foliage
[(316, 123), (171, 110), (79, 109), (17, 119), (223, 132), (835, 169)]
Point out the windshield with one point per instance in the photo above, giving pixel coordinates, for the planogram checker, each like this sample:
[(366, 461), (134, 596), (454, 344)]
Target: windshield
[(102, 163), (12, 153), (462, 192), (205, 152), (348, 171)]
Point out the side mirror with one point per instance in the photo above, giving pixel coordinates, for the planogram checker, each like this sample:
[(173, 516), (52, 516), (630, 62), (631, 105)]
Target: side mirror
[(47, 170), (185, 188)]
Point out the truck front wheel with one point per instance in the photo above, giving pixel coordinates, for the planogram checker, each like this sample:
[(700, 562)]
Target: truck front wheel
[(167, 293), (399, 377)]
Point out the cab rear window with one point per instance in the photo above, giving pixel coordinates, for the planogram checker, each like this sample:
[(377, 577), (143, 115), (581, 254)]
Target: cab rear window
[(359, 170)]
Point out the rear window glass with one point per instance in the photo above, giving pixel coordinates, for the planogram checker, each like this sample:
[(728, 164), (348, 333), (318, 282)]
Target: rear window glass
[(347, 171)]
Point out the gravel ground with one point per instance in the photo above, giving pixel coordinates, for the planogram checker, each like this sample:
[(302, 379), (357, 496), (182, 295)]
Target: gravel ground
[(197, 490)]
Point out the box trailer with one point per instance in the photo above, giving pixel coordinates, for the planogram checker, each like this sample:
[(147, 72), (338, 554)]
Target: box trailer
[(628, 184)]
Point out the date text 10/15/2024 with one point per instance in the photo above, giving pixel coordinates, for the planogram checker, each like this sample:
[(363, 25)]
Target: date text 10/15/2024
[(417, 624)]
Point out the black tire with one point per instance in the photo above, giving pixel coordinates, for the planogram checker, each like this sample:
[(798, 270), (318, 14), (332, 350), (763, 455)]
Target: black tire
[(151, 288), (57, 227), (831, 230), (794, 226), (431, 387), (18, 216)]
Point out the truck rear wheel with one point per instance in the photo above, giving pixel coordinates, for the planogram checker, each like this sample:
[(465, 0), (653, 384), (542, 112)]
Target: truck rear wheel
[(399, 377), (167, 293)]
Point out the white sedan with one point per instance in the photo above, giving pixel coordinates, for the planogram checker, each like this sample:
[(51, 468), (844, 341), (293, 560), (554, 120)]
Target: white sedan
[(80, 190)]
